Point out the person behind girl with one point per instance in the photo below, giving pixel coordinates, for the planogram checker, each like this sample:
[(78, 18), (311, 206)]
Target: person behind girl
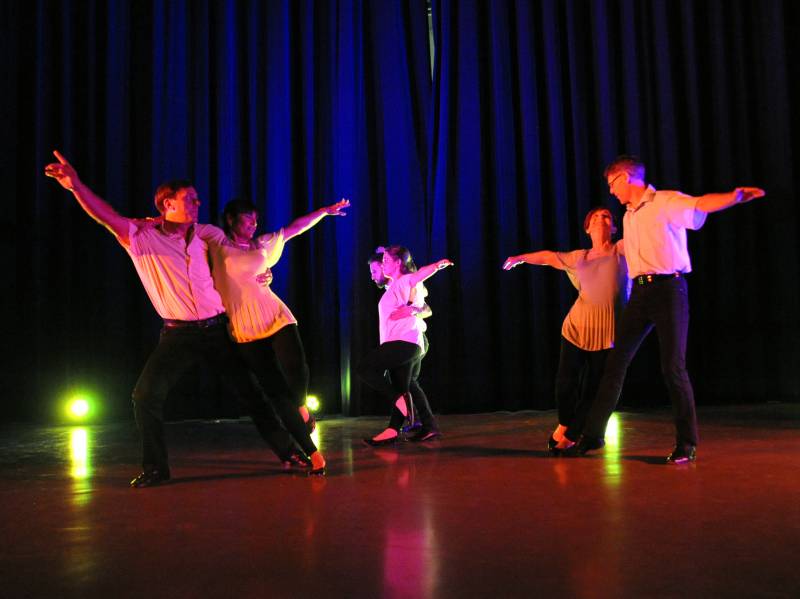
[(424, 427), (401, 338)]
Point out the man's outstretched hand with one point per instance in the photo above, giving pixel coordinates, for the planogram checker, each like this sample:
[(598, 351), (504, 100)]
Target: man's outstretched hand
[(63, 172)]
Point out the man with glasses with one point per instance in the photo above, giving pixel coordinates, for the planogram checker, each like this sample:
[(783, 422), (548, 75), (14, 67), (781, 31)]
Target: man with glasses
[(654, 234)]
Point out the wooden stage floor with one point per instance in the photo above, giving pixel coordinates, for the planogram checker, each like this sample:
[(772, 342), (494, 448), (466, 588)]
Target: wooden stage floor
[(482, 513)]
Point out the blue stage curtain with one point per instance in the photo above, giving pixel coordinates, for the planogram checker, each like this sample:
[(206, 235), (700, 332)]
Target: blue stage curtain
[(296, 104), (292, 104), (531, 100)]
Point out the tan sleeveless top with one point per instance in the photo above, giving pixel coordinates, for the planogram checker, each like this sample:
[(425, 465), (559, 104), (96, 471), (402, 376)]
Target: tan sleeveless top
[(602, 285)]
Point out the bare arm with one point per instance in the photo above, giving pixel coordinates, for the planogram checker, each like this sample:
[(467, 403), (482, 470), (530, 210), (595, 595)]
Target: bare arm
[(428, 271), (63, 172), (715, 202), (406, 311), (304, 223), (540, 258)]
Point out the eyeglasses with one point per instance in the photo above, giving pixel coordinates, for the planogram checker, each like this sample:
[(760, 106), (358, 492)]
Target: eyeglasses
[(614, 180)]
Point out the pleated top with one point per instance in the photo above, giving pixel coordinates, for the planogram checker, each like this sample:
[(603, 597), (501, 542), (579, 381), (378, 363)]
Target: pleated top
[(255, 312), (602, 285)]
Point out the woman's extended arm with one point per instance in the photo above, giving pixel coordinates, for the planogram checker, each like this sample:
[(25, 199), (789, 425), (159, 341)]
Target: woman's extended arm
[(304, 223), (428, 271), (540, 258)]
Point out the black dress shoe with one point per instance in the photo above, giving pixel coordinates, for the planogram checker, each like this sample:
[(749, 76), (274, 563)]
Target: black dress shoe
[(425, 434), (383, 442), (150, 478), (682, 455), (551, 446), (584, 445), (296, 459)]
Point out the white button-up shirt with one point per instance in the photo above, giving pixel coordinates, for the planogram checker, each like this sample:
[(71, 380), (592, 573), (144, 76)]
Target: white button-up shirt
[(655, 232), (176, 275)]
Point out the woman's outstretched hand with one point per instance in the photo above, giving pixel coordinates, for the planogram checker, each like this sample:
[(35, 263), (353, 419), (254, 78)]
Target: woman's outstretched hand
[(338, 209), (443, 263), (511, 262)]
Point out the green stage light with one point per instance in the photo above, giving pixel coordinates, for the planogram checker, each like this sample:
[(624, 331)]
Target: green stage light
[(79, 406), (312, 403)]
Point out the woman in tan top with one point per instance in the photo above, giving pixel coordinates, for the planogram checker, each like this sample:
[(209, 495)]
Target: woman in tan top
[(261, 324), (600, 276)]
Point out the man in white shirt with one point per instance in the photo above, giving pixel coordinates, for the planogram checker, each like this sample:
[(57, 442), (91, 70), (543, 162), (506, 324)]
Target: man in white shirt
[(654, 238), (172, 263)]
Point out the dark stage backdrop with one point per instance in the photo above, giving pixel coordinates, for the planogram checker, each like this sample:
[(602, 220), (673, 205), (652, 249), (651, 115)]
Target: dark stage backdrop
[(296, 104)]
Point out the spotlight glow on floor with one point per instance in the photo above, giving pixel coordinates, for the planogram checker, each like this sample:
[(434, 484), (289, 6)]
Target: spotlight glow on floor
[(79, 452)]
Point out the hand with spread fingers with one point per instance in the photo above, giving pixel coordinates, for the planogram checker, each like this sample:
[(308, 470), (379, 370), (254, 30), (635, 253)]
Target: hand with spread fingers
[(338, 209)]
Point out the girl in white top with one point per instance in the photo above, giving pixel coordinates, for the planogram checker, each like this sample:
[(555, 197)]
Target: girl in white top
[(261, 324), (600, 276), (401, 336)]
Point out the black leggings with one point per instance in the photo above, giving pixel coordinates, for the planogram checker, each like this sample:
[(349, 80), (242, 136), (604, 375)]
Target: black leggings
[(578, 377), (279, 363), (397, 357)]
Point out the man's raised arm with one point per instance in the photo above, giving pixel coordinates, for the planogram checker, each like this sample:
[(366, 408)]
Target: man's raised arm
[(63, 172)]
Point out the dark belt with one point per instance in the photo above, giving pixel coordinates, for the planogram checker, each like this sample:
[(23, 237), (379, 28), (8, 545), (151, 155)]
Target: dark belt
[(648, 279), (219, 319)]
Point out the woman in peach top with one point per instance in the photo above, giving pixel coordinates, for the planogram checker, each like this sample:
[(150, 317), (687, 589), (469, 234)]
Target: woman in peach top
[(261, 324), (587, 335)]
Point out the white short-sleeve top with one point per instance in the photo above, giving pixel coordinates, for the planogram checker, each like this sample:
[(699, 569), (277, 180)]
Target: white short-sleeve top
[(254, 310), (398, 293)]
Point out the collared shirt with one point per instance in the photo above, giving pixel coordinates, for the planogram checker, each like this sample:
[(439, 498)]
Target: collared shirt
[(655, 232), (175, 274), (398, 293)]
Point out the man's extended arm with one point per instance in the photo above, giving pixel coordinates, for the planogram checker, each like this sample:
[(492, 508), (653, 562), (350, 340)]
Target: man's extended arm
[(63, 172), (714, 202)]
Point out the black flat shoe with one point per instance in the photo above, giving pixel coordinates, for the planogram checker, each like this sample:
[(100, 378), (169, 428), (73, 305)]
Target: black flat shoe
[(682, 455), (382, 443), (584, 445), (423, 435), (551, 446), (150, 478)]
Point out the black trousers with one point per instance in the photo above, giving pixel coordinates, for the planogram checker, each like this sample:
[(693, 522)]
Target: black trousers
[(578, 377), (179, 350), (663, 305), (399, 359), (279, 363), (418, 395)]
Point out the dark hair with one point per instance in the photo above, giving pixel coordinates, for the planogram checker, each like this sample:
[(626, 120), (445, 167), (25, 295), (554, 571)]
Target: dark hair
[(398, 252), (376, 256), (167, 190), (627, 163), (597, 209), (232, 210)]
